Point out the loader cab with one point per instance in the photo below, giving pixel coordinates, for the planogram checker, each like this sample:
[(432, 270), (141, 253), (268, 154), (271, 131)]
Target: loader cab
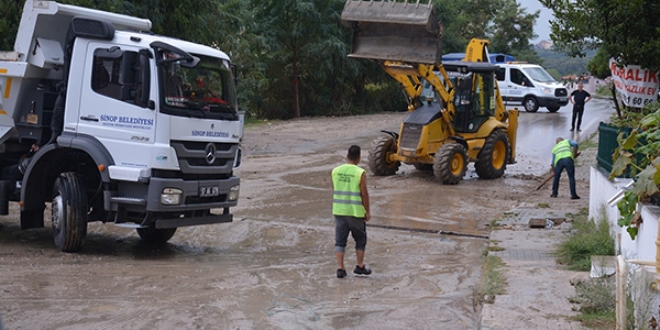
[(474, 96)]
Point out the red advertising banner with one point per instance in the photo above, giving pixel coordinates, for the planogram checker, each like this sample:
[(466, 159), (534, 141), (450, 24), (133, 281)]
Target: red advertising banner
[(637, 86)]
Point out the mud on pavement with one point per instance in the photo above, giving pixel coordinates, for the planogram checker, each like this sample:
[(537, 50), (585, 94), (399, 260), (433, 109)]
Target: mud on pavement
[(273, 267)]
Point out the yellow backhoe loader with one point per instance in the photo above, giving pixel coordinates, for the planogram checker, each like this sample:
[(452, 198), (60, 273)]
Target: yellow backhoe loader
[(456, 114)]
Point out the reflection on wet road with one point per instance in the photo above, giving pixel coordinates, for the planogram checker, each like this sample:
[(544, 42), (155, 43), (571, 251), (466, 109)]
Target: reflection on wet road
[(273, 267)]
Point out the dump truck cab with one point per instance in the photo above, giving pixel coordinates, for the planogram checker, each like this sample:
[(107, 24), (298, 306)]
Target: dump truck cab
[(104, 121)]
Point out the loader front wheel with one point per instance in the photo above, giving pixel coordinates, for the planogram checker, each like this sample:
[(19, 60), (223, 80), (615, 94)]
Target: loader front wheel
[(378, 160), (450, 163), (69, 212), (493, 157)]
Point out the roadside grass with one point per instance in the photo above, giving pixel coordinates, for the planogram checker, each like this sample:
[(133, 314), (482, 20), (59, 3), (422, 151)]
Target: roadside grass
[(492, 282), (589, 238), (543, 205), (597, 303), (596, 297)]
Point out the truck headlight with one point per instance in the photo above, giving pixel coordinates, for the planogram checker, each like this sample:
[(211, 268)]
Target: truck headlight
[(171, 196), (233, 193)]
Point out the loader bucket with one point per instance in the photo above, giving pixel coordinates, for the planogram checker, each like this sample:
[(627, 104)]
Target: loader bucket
[(393, 31)]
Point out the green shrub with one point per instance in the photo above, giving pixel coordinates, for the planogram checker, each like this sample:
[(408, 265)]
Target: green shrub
[(589, 238)]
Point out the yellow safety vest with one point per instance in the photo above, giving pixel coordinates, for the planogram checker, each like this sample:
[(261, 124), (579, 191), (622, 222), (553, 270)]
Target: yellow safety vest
[(562, 150), (346, 197)]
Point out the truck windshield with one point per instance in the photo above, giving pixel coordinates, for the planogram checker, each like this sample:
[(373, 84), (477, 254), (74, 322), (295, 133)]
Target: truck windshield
[(539, 74), (205, 90)]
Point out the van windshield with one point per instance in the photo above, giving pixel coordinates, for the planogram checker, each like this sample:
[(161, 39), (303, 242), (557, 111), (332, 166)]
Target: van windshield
[(539, 74)]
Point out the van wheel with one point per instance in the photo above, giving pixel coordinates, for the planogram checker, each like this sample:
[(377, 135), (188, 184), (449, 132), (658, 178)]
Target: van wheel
[(531, 104), (69, 212), (378, 162), (553, 109)]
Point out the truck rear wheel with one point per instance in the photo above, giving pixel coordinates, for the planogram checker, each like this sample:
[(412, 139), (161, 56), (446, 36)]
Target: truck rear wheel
[(378, 162), (69, 212), (450, 163), (154, 235), (491, 161)]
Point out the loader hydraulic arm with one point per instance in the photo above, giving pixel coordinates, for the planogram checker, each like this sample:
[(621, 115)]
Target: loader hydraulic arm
[(410, 76)]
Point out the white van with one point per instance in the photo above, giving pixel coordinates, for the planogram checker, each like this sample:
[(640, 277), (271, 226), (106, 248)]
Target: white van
[(531, 86)]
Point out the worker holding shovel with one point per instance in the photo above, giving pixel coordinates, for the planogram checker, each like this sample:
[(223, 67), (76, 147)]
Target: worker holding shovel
[(563, 156)]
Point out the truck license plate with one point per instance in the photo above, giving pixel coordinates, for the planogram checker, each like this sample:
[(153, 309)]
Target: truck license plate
[(563, 100), (208, 191)]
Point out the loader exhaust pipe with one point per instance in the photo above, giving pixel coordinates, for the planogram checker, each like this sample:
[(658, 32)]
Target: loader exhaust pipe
[(394, 31)]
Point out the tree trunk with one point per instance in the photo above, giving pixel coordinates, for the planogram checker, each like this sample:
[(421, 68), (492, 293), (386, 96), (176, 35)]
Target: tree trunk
[(295, 82)]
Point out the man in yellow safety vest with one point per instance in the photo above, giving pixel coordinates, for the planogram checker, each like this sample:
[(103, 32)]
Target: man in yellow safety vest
[(350, 207), (563, 155)]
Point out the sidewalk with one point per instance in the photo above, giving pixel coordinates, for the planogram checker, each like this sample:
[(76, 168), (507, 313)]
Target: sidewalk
[(538, 288)]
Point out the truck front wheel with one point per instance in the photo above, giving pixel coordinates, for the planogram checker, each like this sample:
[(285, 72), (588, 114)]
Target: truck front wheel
[(69, 212), (154, 235)]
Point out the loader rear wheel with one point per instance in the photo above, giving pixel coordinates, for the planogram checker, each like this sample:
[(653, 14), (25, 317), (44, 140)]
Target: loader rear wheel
[(69, 212), (491, 161), (450, 163), (378, 162), (153, 235)]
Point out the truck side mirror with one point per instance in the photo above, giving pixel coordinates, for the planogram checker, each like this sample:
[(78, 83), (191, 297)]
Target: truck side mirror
[(145, 79)]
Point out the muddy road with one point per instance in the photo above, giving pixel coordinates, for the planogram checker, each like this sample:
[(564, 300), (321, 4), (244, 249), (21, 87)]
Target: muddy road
[(273, 267)]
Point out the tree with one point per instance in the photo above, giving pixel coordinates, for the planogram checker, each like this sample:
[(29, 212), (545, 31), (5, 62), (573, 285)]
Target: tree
[(508, 27), (628, 31), (10, 16)]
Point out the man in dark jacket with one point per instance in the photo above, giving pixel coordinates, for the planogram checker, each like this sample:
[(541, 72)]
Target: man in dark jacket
[(579, 98)]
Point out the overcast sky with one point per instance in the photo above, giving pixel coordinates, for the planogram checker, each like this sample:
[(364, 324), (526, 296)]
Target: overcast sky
[(542, 28)]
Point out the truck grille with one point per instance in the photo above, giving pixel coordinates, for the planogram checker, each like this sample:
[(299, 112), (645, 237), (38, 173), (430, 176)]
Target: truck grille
[(205, 157), (561, 92), (410, 136)]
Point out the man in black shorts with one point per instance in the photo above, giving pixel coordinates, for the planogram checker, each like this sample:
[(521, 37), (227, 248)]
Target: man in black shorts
[(579, 98), (350, 206)]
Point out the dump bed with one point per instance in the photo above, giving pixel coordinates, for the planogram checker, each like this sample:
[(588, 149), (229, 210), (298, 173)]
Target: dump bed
[(39, 52)]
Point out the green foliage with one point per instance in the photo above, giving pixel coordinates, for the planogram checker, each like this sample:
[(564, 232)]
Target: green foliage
[(599, 65), (625, 30), (292, 54), (10, 16), (597, 300), (591, 237), (553, 59), (639, 152)]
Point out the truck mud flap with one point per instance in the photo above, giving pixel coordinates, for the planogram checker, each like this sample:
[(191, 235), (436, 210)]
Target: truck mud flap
[(193, 221), (393, 31)]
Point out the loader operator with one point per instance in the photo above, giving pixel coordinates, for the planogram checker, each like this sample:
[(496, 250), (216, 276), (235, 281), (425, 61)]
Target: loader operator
[(350, 207), (563, 155)]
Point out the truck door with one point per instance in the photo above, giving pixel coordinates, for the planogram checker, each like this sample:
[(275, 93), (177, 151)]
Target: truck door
[(110, 107)]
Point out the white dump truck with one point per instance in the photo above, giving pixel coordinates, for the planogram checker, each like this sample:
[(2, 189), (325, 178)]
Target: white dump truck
[(104, 121)]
